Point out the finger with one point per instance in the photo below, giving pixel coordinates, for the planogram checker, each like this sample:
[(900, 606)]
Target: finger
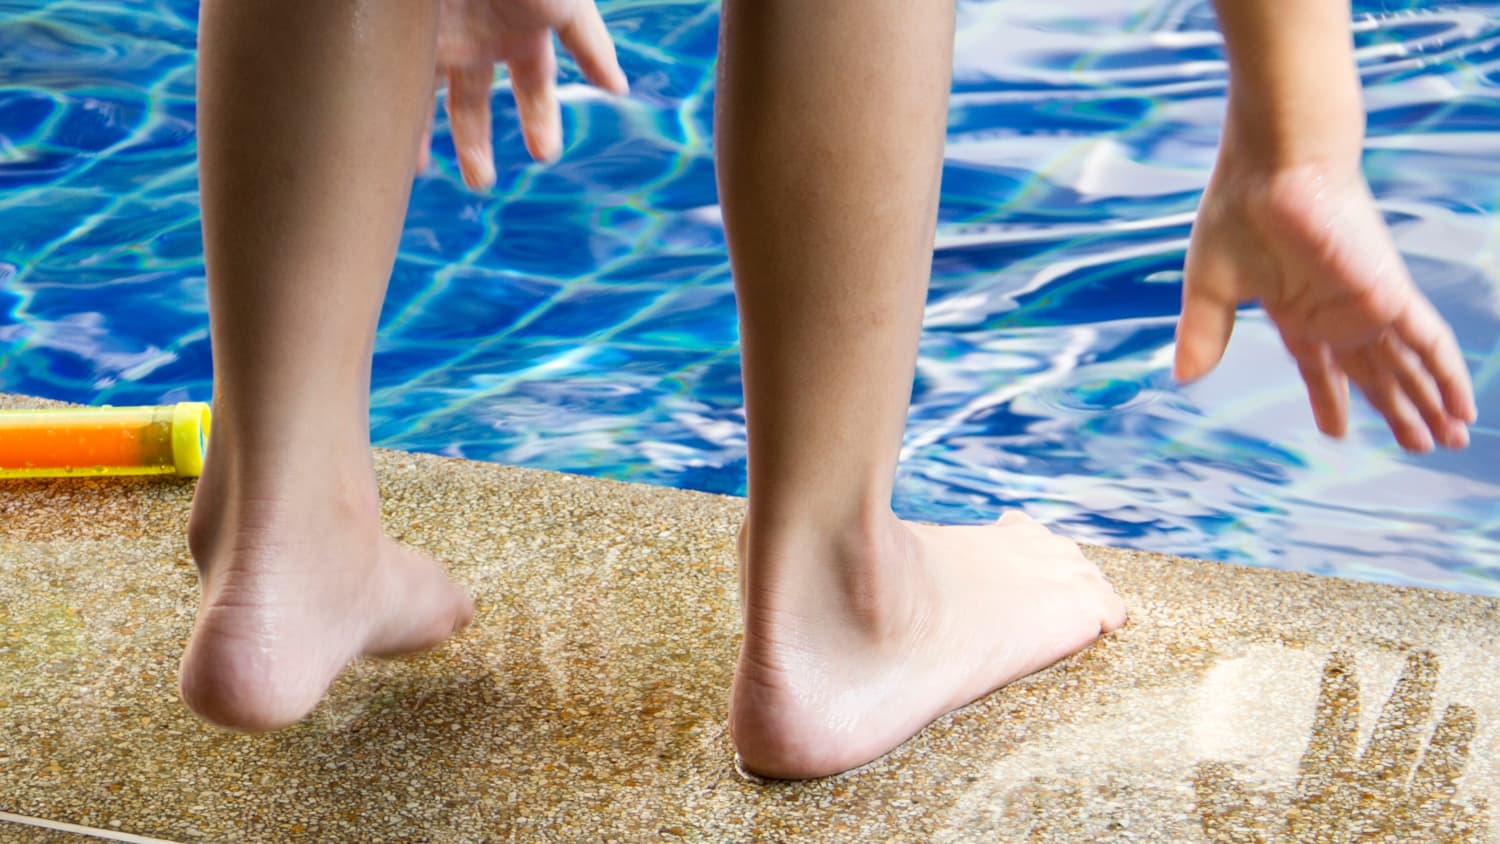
[(533, 81), (469, 117), (1202, 332), (424, 149), (1335, 730), (1327, 386), (1419, 388), (1013, 517), (1225, 805), (1384, 393), (1399, 730), (588, 40), (1421, 328), (1446, 755)]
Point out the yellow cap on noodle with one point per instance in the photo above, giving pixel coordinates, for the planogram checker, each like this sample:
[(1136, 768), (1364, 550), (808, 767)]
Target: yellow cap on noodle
[(190, 424)]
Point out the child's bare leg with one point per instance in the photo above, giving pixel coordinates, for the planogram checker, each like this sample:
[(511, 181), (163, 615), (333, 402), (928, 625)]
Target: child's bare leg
[(309, 122), (859, 628), (1288, 219)]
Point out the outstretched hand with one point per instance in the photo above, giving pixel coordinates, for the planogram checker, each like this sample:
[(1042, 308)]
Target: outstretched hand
[(1313, 248), (475, 35)]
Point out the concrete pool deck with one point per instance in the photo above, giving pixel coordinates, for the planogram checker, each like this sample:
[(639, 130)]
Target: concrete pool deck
[(587, 701)]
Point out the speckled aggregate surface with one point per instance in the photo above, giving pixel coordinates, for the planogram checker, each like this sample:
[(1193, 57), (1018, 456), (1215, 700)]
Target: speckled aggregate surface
[(17, 832), (588, 700)]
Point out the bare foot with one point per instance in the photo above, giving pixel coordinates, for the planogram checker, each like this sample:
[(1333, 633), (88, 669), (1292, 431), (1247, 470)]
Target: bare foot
[(849, 651), (297, 588), (1310, 244)]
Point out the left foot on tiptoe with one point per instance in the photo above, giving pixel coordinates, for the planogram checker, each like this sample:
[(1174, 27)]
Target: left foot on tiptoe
[(297, 582)]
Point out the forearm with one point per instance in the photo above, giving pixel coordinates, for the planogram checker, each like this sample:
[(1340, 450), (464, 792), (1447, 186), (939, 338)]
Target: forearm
[(1294, 90)]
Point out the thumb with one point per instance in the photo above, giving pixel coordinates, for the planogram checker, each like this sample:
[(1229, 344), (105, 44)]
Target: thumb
[(1202, 332)]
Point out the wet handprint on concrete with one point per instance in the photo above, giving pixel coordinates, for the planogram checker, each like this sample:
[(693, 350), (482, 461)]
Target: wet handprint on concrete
[(1394, 791)]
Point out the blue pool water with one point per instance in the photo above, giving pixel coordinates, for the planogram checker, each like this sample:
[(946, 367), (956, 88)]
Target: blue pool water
[(580, 317)]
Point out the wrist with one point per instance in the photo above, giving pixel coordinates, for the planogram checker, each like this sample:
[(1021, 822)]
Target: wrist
[(1324, 127)]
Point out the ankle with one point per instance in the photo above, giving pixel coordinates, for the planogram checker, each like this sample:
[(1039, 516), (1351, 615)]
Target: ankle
[(241, 504), (774, 542), (856, 572)]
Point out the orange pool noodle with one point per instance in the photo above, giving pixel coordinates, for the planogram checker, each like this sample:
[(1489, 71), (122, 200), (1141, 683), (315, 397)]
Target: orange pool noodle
[(67, 441)]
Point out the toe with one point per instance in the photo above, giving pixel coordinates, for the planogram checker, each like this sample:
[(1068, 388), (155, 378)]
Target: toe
[(428, 607), (463, 611), (1114, 614)]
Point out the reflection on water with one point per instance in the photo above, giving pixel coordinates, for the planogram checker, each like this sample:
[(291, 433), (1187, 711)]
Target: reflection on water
[(1080, 135)]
